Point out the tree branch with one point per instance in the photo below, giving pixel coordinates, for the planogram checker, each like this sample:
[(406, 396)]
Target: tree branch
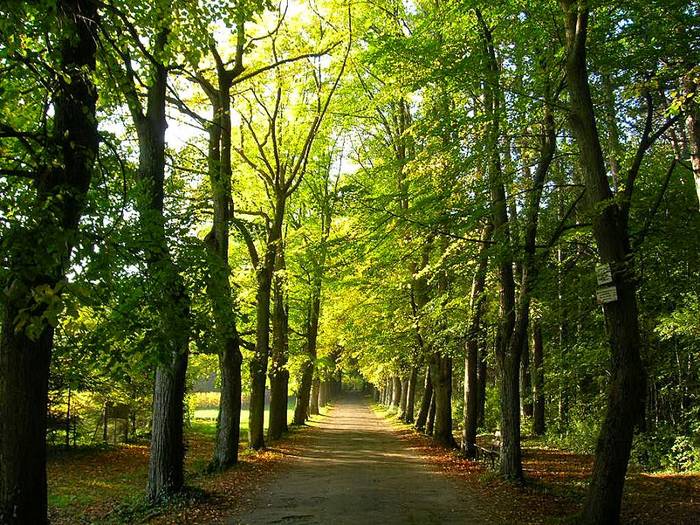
[(250, 243), (652, 213)]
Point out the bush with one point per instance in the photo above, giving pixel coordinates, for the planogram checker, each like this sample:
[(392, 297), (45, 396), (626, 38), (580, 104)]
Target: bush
[(665, 449), (492, 410), (685, 454), (580, 436), (651, 449)]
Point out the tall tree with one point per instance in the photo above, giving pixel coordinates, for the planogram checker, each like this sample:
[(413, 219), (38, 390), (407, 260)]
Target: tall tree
[(610, 218), (170, 342), (281, 169), (38, 250), (476, 310), (324, 191), (279, 375), (514, 307)]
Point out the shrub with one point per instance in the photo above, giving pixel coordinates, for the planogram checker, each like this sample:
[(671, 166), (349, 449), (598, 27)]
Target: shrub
[(685, 454)]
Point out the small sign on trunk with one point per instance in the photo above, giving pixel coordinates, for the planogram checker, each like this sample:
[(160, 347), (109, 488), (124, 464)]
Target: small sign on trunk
[(606, 294), (603, 274)]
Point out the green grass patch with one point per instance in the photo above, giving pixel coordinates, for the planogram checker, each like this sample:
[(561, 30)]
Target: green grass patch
[(205, 420)]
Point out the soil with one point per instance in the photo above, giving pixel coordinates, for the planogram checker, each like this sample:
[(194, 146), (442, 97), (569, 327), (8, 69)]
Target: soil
[(355, 468)]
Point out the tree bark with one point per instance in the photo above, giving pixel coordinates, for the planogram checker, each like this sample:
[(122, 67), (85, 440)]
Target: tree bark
[(301, 411), (229, 421), (324, 393), (218, 285), (627, 382), (538, 420), (402, 400), (25, 358), (441, 376), (481, 379), (692, 125), (471, 395), (395, 392), (258, 364), (430, 422), (279, 375), (165, 468), (314, 404), (425, 401), (526, 381), (411, 396)]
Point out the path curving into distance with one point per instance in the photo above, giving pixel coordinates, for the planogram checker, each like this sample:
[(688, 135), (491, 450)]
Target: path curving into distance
[(353, 468)]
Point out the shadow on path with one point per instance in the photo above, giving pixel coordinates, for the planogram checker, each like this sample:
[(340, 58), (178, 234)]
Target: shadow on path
[(353, 468)]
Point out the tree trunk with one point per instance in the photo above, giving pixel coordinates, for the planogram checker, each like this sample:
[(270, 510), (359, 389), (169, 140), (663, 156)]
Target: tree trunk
[(538, 423), (481, 379), (218, 286), (692, 124), (24, 366), (430, 423), (25, 358), (509, 382), (422, 418), (402, 400), (627, 382), (514, 316), (526, 381), (315, 390), (441, 375), (510, 426), (324, 393), (229, 421), (278, 406), (258, 364), (285, 402), (395, 392), (166, 474), (471, 395), (411, 396), (172, 303), (301, 411), (278, 370), (165, 468)]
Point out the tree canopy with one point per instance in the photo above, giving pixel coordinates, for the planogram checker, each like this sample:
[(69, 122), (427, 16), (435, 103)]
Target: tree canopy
[(487, 214)]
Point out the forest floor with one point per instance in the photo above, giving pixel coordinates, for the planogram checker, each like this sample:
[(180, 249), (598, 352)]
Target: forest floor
[(556, 483), (350, 465)]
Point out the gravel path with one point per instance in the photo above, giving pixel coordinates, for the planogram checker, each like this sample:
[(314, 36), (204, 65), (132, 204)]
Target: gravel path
[(354, 469)]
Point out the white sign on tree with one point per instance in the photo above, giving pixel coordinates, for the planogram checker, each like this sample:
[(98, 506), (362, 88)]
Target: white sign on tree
[(603, 274)]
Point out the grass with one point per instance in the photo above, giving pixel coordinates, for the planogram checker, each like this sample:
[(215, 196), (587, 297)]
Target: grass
[(205, 416), (102, 480), (206, 413)]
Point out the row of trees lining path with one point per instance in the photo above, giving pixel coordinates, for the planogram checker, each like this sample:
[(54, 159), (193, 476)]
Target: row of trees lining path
[(484, 211)]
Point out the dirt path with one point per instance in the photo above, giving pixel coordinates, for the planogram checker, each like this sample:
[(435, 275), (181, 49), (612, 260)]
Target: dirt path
[(355, 469)]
